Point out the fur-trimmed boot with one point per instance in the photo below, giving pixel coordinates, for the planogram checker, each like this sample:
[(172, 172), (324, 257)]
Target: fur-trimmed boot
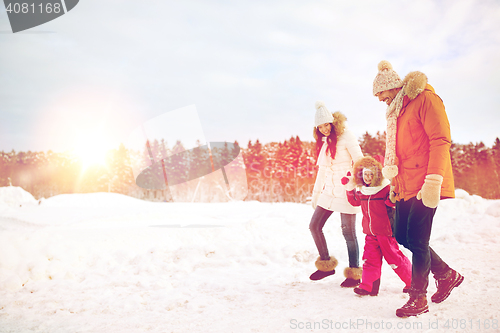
[(325, 268), (353, 277)]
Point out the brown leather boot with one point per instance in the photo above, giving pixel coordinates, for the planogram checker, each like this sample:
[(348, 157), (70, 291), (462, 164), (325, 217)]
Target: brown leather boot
[(445, 284), (414, 307)]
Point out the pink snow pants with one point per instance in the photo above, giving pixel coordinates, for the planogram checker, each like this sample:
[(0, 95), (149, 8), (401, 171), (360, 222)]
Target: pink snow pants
[(376, 248)]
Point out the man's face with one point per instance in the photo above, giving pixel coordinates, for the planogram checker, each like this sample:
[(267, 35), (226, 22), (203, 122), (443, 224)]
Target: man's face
[(387, 96)]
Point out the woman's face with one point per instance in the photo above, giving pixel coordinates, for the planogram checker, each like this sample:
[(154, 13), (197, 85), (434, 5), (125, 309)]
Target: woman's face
[(325, 129)]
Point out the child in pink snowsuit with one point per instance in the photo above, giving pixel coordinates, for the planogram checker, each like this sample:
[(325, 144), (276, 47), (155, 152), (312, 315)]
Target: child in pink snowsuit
[(373, 197)]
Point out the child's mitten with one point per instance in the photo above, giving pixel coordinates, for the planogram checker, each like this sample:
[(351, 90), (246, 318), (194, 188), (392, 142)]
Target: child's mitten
[(348, 181)]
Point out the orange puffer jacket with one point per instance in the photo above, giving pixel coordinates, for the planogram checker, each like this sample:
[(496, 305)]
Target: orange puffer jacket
[(423, 143)]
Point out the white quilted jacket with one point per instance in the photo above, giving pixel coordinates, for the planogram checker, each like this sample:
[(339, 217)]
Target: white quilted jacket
[(333, 193)]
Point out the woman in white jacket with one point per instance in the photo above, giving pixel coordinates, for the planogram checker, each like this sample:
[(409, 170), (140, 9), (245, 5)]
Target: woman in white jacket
[(339, 150)]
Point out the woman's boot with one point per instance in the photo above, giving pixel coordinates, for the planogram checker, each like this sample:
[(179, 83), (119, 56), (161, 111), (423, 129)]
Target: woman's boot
[(325, 268), (353, 277)]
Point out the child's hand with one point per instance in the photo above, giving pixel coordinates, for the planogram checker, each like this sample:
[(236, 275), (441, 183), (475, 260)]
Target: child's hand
[(392, 195), (348, 181), (344, 179)]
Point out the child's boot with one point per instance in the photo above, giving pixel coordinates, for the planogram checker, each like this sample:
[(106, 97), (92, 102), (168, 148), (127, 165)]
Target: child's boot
[(374, 292)]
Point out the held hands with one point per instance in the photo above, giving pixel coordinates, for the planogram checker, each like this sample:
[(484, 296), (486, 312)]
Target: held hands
[(344, 179), (430, 194), (348, 181), (391, 198), (392, 194)]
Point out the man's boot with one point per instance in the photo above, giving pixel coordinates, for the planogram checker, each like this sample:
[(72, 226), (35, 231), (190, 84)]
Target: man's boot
[(445, 283), (414, 307)]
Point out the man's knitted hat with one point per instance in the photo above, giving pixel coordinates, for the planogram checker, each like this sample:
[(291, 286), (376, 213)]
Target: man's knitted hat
[(386, 78), (323, 116)]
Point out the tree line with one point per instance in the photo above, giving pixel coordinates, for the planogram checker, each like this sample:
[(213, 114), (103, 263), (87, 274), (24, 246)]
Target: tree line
[(476, 167), (275, 172)]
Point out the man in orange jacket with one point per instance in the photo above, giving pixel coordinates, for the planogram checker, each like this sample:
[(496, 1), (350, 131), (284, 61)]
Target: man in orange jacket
[(417, 159)]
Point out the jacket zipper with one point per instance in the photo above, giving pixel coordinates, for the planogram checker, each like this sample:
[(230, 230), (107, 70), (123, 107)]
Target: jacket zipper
[(370, 216)]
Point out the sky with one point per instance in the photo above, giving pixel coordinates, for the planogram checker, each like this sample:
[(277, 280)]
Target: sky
[(252, 69)]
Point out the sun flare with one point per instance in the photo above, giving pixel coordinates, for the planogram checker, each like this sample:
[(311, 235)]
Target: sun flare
[(92, 149)]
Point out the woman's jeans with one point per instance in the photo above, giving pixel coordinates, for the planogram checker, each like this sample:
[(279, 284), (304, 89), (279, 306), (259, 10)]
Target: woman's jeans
[(348, 222)]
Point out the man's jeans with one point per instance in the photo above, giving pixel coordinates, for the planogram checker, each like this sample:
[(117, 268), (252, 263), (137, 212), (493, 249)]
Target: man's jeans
[(413, 224)]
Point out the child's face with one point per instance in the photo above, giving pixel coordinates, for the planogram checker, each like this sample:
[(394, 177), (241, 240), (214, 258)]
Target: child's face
[(368, 176)]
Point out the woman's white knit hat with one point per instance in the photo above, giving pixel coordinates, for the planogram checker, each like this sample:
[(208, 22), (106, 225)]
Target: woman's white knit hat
[(323, 116), (386, 79)]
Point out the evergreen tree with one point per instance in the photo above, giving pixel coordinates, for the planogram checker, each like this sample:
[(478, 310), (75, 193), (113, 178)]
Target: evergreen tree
[(120, 172), (275, 171), (255, 162), (373, 145)]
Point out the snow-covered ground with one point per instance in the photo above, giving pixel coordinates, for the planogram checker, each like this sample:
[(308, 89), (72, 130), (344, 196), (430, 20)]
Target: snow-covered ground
[(109, 263)]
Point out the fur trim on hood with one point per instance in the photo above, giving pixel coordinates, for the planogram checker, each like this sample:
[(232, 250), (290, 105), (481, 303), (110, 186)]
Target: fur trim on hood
[(414, 83), (339, 123), (369, 163)]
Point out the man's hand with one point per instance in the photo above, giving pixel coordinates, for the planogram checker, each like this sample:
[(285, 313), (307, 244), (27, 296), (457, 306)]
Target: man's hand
[(430, 194)]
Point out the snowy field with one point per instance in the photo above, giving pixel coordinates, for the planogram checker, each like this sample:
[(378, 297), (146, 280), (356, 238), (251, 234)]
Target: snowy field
[(109, 263)]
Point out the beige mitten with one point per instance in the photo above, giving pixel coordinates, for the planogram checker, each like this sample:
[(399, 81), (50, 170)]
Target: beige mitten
[(430, 194), (390, 171)]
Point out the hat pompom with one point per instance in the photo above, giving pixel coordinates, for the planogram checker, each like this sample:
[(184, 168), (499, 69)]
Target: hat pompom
[(384, 65), (319, 104)]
